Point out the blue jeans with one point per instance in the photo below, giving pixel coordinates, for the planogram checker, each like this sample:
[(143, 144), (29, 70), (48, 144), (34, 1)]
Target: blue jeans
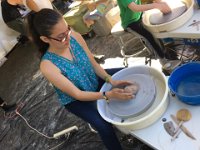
[(87, 110)]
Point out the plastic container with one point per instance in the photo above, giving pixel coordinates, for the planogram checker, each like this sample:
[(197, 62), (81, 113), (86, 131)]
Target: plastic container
[(74, 18), (184, 82), (198, 3)]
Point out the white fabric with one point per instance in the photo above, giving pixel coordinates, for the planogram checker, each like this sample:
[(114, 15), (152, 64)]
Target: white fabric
[(43, 4), (40, 3)]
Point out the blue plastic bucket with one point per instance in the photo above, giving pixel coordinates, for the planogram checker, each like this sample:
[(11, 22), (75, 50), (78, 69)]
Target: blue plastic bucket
[(198, 2), (184, 82)]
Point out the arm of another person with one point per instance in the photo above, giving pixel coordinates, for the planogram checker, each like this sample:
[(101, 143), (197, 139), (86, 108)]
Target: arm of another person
[(162, 6), (29, 3), (32, 5)]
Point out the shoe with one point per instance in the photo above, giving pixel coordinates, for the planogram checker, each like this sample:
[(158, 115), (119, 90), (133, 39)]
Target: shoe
[(169, 65), (171, 54), (22, 39), (99, 58), (9, 108), (2, 61)]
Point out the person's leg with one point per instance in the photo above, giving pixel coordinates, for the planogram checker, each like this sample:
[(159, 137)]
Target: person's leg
[(167, 64), (18, 25), (139, 28), (110, 72), (88, 112)]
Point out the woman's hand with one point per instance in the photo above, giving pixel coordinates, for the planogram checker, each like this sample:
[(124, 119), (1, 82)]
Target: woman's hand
[(117, 83), (120, 94)]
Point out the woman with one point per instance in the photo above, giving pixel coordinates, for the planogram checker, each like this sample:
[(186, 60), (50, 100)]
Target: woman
[(69, 65), (12, 16)]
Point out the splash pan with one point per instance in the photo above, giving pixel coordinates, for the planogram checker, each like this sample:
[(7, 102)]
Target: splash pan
[(182, 11), (147, 117), (143, 100)]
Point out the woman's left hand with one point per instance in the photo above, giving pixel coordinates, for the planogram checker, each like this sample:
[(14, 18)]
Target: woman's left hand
[(116, 83)]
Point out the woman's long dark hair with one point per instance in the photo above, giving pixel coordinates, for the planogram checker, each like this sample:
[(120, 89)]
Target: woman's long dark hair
[(41, 24)]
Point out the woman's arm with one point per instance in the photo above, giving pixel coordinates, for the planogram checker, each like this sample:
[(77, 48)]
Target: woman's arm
[(53, 74)]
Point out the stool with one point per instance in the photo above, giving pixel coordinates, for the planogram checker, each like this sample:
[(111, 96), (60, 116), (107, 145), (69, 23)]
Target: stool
[(147, 46), (118, 32)]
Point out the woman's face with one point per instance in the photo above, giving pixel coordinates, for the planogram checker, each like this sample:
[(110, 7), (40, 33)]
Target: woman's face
[(60, 35)]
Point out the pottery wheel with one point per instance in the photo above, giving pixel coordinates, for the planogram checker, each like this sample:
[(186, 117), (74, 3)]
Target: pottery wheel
[(143, 100), (160, 18)]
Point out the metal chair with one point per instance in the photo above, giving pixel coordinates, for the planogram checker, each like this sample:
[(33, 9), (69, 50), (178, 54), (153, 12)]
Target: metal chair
[(183, 54), (118, 32)]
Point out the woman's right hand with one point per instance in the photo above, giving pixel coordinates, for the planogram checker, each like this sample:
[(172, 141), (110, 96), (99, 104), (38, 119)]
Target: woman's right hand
[(120, 94)]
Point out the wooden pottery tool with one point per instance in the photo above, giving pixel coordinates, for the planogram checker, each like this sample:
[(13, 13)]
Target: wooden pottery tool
[(184, 129), (182, 115)]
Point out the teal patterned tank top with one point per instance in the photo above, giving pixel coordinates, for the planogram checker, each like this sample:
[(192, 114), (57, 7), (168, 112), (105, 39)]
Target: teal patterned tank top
[(79, 70)]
